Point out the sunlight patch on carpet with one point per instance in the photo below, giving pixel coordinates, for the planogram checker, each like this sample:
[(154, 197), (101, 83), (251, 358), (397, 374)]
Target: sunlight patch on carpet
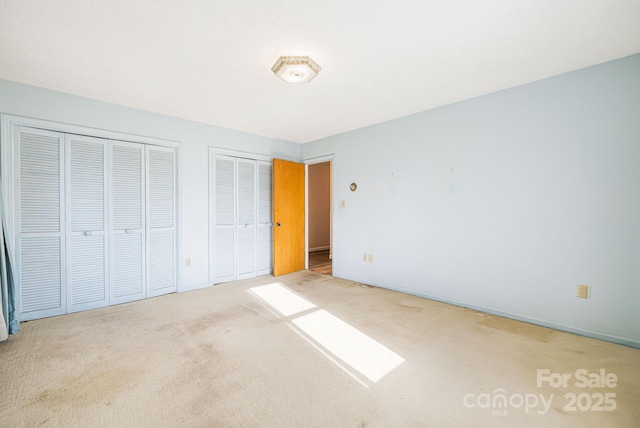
[(366, 355), (346, 343), (281, 299)]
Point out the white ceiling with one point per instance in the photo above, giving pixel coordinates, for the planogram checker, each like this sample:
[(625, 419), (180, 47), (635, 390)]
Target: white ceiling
[(210, 60)]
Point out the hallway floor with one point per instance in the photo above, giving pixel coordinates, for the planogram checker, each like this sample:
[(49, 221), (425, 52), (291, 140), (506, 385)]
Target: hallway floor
[(320, 262)]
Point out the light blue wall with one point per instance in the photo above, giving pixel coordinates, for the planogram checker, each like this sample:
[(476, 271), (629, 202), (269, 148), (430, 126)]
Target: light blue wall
[(504, 202), (544, 194), (29, 101)]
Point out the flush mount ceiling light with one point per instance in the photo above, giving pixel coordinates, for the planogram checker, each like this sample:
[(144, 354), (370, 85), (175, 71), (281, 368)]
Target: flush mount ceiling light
[(296, 69)]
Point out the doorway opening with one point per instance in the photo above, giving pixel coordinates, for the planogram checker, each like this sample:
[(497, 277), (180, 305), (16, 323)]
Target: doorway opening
[(319, 217)]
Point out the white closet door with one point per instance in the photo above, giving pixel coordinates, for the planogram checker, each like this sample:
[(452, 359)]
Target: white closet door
[(161, 221), (86, 231), (242, 195), (224, 258), (265, 219), (247, 218), (127, 222), (40, 214)]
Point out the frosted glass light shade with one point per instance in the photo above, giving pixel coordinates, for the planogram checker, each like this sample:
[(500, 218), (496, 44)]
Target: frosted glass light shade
[(296, 69)]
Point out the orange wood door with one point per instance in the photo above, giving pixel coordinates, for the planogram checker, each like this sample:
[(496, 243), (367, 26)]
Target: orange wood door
[(288, 216)]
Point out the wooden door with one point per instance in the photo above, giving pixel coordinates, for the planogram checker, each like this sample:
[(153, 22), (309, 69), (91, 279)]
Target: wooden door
[(288, 217)]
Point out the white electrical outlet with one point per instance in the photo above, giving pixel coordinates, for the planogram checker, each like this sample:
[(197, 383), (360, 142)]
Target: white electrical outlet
[(187, 262), (370, 258), (364, 257)]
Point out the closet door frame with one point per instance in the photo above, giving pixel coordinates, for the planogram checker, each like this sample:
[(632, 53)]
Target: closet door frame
[(9, 162), (213, 152)]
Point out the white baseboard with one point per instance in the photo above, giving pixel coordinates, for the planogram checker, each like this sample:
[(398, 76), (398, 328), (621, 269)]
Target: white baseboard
[(561, 327), (312, 250), (195, 287)]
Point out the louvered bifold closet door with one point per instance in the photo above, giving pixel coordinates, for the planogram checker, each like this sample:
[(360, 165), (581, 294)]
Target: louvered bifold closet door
[(127, 222), (161, 221), (86, 212), (224, 259), (40, 215), (265, 219), (247, 218)]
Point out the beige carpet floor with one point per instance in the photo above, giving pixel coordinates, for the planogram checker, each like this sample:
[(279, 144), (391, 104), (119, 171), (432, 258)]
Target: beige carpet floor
[(310, 350)]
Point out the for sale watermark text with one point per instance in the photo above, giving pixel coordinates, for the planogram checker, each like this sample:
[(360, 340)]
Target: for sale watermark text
[(581, 379), (595, 394)]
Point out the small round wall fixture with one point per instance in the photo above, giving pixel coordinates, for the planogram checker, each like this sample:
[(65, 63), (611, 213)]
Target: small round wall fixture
[(353, 187)]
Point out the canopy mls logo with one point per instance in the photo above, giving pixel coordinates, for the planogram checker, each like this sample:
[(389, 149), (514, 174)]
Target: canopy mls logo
[(500, 403), (601, 401)]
